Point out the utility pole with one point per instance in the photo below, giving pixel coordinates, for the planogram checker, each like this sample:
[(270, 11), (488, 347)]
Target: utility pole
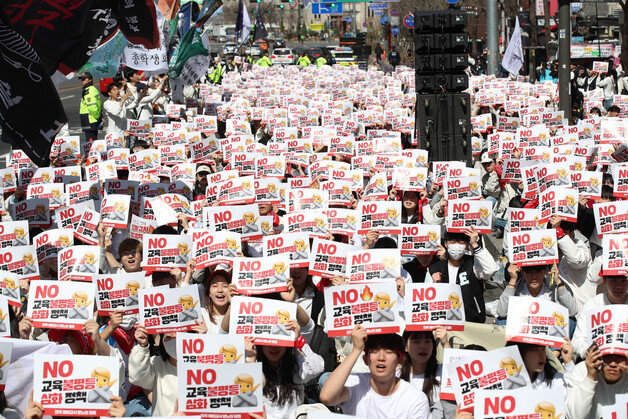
[(564, 57), (492, 47)]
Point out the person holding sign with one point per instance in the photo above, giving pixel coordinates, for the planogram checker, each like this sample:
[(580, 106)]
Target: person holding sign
[(217, 299), (466, 271), (542, 374), (594, 384), (617, 286), (532, 280), (378, 393), (286, 370), (420, 367), (129, 250), (156, 373)]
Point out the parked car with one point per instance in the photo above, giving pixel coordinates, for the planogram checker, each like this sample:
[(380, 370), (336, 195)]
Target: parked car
[(222, 38), (313, 53), (344, 56), (262, 44), (253, 51), (230, 49), (277, 43), (283, 56)]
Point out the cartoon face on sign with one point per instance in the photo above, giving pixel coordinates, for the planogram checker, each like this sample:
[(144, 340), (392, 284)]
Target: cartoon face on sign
[(547, 249), (188, 312), (64, 241), (250, 219), (384, 312), (454, 313), (301, 249), (29, 264), (246, 398), (546, 411), (392, 214), (280, 273), (514, 380), (229, 353), (484, 217), (101, 393), (11, 289), (182, 257), (281, 327), (79, 311)]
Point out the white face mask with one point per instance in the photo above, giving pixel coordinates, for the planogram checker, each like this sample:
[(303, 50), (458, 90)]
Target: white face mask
[(456, 251), (171, 347), (129, 321)]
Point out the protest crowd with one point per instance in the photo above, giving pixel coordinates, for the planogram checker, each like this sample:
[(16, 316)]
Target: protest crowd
[(271, 241)]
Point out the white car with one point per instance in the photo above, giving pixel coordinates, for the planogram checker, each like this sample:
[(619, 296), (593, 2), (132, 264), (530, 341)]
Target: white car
[(283, 56), (253, 51), (230, 49)]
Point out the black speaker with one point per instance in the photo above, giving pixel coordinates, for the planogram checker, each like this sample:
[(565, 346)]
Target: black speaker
[(442, 41), (425, 83), (458, 20), (459, 41), (424, 63), (425, 117), (459, 82), (424, 43), (461, 110), (442, 21), (444, 114), (423, 22)]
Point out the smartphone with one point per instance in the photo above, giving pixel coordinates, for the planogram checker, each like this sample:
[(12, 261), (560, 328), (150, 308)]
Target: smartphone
[(593, 347)]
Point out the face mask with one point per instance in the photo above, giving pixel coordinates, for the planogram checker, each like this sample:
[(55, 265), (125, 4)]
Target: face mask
[(171, 347), (128, 321), (456, 251)]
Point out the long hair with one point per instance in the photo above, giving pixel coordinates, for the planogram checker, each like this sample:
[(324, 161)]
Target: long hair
[(547, 368), (430, 381), (279, 386), (208, 282)]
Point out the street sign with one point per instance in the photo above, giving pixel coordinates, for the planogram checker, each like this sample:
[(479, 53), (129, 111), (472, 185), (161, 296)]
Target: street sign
[(347, 19), (408, 21), (395, 30), (364, 25), (378, 12), (394, 12), (452, 1), (394, 20), (383, 20), (378, 6), (327, 8)]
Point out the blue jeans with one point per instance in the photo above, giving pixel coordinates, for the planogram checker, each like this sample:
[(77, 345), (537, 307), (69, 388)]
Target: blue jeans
[(607, 103), (139, 406)]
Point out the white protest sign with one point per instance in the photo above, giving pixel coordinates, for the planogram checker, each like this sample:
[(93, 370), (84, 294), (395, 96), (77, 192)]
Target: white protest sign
[(264, 319), (428, 306), (163, 252), (61, 304), (373, 265), (371, 305), (328, 258), (501, 369), (615, 254), (193, 348), (465, 213), (534, 247), (525, 403), (261, 275), (232, 391), (607, 327), (164, 310), (537, 321), (78, 263), (118, 291), (75, 385)]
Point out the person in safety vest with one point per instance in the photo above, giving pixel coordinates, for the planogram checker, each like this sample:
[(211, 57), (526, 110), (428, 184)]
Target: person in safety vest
[(90, 110), (216, 75), (321, 61), (303, 60), (264, 61)]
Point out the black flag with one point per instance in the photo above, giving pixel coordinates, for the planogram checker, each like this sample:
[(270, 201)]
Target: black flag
[(31, 113), (260, 31)]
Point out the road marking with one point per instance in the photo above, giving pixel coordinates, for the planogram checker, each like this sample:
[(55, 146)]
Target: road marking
[(67, 97)]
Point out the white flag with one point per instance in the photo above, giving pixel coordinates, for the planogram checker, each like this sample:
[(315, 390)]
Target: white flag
[(513, 58), (246, 23)]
